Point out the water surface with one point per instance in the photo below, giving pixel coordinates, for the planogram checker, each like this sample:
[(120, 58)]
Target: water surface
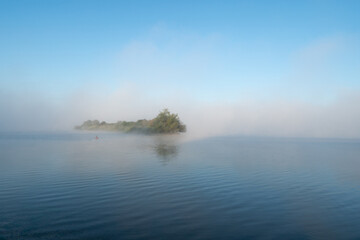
[(71, 186)]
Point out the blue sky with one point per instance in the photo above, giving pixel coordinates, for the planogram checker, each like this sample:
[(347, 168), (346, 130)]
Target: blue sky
[(207, 51)]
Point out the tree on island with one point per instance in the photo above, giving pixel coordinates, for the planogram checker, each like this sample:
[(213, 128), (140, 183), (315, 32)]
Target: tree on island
[(167, 122)]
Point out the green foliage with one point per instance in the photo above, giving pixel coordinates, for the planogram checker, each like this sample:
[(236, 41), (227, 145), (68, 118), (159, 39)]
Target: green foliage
[(165, 122)]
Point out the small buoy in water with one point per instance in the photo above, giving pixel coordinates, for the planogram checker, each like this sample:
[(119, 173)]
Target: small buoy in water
[(96, 137)]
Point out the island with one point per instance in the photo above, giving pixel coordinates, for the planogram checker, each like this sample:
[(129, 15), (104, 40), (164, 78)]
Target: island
[(164, 123)]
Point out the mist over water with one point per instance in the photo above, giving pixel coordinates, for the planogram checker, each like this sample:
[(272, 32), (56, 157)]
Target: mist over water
[(336, 119), (69, 185), (216, 90)]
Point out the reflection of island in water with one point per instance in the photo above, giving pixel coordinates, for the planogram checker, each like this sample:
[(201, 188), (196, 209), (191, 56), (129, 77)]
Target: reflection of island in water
[(166, 152)]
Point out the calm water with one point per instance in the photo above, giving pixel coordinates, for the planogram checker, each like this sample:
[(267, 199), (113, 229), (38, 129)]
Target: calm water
[(70, 186)]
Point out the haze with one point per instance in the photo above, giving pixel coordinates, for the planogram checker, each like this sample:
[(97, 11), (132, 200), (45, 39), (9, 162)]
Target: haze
[(268, 68)]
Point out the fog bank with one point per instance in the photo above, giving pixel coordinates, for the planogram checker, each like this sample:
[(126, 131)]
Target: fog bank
[(277, 117)]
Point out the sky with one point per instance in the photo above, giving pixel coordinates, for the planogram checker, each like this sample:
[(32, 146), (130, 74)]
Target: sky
[(273, 68)]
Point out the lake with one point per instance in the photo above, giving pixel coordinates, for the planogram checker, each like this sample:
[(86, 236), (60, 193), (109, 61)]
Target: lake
[(70, 186)]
